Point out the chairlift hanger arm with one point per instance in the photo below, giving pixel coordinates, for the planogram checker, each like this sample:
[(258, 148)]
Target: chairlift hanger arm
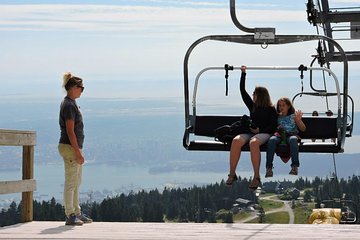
[(266, 34), (236, 21)]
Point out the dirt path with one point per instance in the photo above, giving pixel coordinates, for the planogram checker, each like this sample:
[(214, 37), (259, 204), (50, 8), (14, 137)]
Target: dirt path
[(285, 208)]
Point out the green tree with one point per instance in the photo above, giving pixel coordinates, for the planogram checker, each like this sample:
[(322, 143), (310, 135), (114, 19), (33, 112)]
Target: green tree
[(228, 218), (307, 196)]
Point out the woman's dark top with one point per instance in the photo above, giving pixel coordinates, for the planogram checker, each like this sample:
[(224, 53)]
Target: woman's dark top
[(70, 111), (265, 118)]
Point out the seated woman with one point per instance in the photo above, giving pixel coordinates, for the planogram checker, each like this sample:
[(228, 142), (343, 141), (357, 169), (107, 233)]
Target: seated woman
[(263, 115)]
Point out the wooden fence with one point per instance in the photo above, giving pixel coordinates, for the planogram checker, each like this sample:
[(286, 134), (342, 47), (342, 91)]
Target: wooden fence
[(26, 139)]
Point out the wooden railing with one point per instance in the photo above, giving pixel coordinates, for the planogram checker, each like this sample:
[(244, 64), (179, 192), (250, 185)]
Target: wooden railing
[(26, 139)]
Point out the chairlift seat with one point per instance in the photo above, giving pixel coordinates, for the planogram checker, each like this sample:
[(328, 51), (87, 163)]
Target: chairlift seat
[(316, 128)]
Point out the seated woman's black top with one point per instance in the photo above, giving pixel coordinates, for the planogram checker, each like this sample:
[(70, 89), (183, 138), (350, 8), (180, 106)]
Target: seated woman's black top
[(265, 118)]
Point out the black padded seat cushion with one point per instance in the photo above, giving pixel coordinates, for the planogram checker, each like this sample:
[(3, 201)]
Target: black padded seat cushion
[(316, 128)]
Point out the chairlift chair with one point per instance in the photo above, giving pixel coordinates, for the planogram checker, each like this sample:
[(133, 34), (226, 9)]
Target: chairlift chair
[(320, 127)]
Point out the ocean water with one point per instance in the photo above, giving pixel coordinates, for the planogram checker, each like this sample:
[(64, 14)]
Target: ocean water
[(101, 181)]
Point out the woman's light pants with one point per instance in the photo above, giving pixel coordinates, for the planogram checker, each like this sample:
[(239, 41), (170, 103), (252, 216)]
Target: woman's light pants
[(73, 172)]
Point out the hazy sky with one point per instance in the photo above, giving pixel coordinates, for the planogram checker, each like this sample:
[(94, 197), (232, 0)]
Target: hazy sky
[(133, 48)]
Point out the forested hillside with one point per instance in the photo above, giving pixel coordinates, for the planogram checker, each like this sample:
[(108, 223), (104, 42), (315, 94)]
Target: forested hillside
[(195, 204)]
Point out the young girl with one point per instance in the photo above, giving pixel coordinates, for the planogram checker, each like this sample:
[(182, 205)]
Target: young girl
[(289, 121)]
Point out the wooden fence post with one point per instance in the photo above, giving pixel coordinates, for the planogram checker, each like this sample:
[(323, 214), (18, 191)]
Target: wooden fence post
[(27, 173)]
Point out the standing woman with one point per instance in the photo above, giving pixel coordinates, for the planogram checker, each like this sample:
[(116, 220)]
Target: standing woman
[(264, 116), (70, 148)]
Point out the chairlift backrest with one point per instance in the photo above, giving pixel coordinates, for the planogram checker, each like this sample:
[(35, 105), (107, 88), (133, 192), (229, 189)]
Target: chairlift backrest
[(319, 128)]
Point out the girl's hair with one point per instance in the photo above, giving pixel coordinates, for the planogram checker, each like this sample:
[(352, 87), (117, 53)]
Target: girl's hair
[(262, 97), (288, 102), (70, 81)]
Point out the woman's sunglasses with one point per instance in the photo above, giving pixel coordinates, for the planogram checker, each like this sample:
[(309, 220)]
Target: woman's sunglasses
[(82, 88)]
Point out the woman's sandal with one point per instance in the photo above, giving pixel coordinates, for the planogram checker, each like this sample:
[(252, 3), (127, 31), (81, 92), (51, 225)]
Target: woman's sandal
[(231, 179), (255, 183)]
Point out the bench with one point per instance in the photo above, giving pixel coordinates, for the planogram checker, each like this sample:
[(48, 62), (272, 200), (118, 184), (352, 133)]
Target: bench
[(316, 128)]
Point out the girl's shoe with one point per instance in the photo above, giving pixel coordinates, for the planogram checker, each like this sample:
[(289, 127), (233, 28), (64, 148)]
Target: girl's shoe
[(294, 170), (231, 179), (255, 183)]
